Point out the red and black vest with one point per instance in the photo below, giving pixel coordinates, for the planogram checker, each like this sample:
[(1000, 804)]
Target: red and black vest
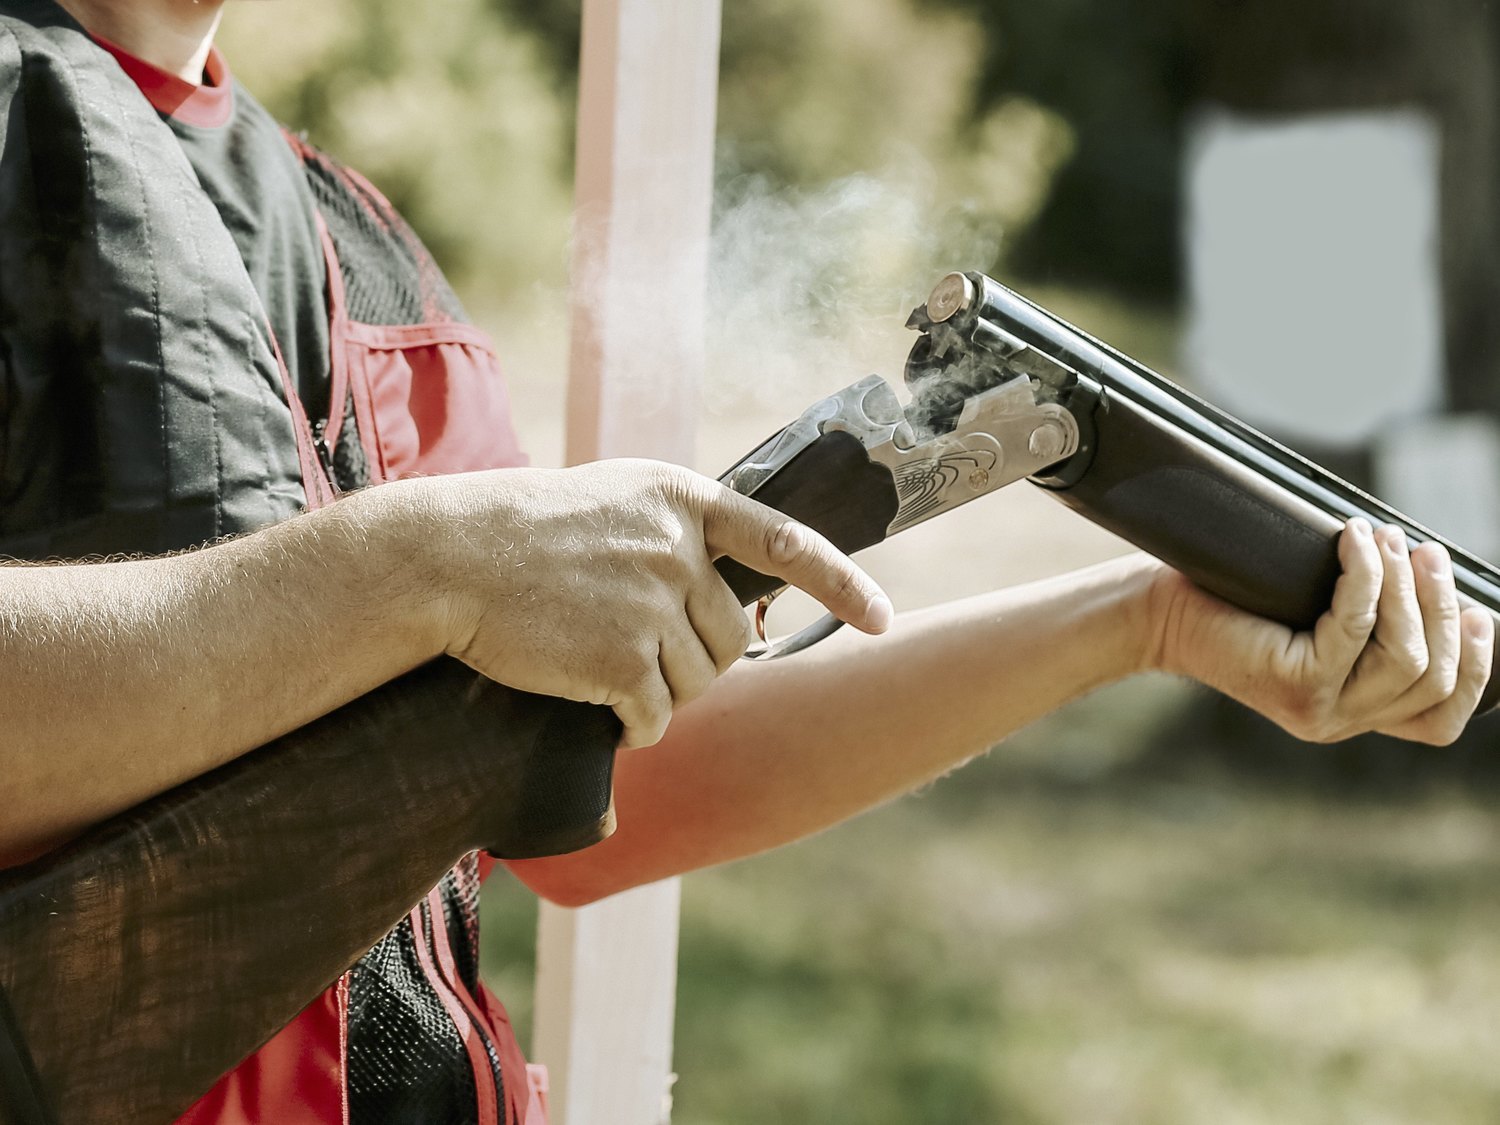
[(144, 407)]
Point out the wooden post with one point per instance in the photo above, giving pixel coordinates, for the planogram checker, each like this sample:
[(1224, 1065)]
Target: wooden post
[(648, 89)]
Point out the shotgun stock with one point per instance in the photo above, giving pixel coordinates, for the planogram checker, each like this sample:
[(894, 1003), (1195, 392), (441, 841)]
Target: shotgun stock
[(146, 959)]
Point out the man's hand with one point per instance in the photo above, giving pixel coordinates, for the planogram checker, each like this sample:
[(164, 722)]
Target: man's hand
[(597, 583), (1393, 653)]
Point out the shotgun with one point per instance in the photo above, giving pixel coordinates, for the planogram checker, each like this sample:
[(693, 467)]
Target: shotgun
[(148, 957)]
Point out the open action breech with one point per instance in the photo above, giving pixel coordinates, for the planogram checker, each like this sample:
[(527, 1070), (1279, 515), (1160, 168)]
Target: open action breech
[(146, 959)]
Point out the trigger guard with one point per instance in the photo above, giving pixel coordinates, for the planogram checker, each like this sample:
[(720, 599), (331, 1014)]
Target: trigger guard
[(819, 630)]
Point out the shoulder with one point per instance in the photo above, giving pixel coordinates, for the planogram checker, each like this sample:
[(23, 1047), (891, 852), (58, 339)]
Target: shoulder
[(42, 35), (65, 79), (25, 44)]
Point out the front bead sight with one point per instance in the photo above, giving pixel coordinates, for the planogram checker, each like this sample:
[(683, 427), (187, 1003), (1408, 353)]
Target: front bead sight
[(949, 297)]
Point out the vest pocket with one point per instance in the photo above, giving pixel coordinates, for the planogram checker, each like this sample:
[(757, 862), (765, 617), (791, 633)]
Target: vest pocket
[(429, 398)]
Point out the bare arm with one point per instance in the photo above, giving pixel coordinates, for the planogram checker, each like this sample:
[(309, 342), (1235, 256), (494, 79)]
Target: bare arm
[(120, 680), (776, 752)]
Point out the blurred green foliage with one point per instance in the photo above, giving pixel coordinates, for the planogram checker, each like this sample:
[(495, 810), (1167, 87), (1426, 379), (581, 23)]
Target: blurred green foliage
[(812, 91), (1060, 124), (447, 107), (463, 114), (1120, 72)]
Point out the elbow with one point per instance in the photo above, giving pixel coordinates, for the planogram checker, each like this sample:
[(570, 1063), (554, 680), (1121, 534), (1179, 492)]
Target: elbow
[(566, 881), (570, 898)]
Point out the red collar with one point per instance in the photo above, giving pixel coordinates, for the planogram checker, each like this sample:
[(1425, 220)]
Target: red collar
[(208, 105)]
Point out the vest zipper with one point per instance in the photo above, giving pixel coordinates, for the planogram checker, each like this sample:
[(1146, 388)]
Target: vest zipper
[(325, 455)]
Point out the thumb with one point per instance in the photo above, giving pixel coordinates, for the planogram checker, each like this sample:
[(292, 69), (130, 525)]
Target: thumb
[(773, 543)]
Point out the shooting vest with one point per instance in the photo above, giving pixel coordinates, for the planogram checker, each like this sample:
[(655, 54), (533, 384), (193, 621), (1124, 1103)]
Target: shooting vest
[(144, 407)]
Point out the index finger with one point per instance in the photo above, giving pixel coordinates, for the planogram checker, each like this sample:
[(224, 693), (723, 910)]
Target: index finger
[(773, 543)]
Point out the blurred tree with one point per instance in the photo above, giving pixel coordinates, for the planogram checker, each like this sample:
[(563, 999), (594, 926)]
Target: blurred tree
[(1126, 74), (1290, 56), (811, 95), (1059, 124), (451, 111), (1121, 73)]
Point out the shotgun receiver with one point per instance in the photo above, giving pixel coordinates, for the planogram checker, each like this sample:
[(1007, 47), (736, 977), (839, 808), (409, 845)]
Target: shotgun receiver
[(144, 960)]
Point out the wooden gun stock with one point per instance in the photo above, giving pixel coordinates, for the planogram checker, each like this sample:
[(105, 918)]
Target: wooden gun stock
[(147, 958)]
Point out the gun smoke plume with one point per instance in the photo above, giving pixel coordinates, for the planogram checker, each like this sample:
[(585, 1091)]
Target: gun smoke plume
[(809, 290), (806, 291)]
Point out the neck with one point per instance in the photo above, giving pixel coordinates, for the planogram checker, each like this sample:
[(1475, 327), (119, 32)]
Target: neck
[(174, 35)]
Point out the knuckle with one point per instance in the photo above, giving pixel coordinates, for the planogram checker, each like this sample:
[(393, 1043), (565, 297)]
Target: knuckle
[(678, 557), (846, 587), (687, 685), (1360, 623), (642, 668), (658, 710), (1413, 661), (652, 702), (700, 682), (786, 540), (736, 638), (663, 474), (670, 482)]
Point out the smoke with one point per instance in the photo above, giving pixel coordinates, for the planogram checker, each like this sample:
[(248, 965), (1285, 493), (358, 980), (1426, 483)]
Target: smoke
[(810, 289), (807, 291)]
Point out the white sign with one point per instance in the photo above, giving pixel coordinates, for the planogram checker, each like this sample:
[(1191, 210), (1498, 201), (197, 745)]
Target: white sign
[(1312, 254)]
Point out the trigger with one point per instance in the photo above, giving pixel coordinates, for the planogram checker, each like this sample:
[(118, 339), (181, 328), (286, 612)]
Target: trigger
[(767, 649)]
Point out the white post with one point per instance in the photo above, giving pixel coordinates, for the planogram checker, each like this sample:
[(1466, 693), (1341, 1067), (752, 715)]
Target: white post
[(648, 89)]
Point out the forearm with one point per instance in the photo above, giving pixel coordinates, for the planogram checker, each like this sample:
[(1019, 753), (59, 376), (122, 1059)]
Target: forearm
[(124, 679), (778, 751), (119, 681)]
